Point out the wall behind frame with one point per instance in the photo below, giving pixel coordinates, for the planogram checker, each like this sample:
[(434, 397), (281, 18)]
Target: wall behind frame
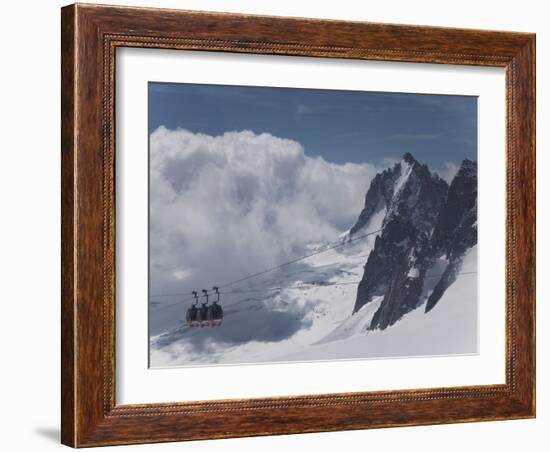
[(29, 186)]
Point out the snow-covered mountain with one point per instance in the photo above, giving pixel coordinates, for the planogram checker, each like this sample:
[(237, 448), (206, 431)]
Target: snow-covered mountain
[(400, 282), (425, 222)]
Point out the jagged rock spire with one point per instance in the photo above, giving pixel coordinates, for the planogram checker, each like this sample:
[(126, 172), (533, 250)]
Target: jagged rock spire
[(420, 210), (408, 158)]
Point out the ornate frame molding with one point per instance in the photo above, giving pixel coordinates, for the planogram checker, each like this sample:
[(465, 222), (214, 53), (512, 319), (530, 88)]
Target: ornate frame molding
[(90, 37)]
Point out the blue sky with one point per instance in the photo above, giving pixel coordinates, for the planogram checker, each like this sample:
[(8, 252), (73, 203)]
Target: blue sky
[(341, 126)]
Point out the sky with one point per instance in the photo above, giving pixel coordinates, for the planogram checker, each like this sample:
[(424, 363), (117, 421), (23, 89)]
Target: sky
[(341, 126), (242, 179)]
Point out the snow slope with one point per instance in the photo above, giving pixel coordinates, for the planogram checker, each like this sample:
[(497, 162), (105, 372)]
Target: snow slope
[(316, 298), (449, 328)]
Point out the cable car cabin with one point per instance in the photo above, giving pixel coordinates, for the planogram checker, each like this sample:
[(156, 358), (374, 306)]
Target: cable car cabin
[(216, 314), (207, 315), (192, 316)]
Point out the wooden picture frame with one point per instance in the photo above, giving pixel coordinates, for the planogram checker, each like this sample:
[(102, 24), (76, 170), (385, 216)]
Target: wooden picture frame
[(90, 35)]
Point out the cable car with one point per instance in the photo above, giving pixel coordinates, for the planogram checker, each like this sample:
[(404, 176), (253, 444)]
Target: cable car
[(192, 315), (203, 311), (205, 315), (216, 311)]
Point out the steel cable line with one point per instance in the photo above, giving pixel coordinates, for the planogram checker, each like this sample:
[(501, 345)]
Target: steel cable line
[(309, 286), (262, 272), (273, 289), (160, 308), (301, 287), (227, 284), (304, 286), (285, 264)]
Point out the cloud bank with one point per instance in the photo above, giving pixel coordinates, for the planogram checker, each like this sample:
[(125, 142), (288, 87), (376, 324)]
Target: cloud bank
[(222, 207), (448, 171)]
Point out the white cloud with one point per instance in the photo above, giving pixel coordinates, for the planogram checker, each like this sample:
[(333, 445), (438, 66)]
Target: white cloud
[(448, 171), (303, 109), (226, 206)]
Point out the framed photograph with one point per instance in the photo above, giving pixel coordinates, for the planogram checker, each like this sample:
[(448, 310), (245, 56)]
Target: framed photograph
[(281, 225)]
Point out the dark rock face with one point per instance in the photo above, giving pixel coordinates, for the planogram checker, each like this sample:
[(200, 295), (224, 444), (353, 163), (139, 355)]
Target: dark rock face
[(456, 228), (424, 219), (378, 197)]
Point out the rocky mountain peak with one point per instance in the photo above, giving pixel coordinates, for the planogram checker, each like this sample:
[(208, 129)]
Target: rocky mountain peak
[(469, 167), (424, 218), (399, 189), (408, 158)]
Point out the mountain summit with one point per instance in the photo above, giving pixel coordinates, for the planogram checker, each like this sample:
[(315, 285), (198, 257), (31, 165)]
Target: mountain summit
[(424, 223)]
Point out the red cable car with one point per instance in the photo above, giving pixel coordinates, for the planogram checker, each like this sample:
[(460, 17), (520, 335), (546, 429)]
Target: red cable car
[(207, 315)]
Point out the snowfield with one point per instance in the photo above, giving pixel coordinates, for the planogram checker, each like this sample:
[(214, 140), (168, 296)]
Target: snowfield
[(449, 328), (304, 313)]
